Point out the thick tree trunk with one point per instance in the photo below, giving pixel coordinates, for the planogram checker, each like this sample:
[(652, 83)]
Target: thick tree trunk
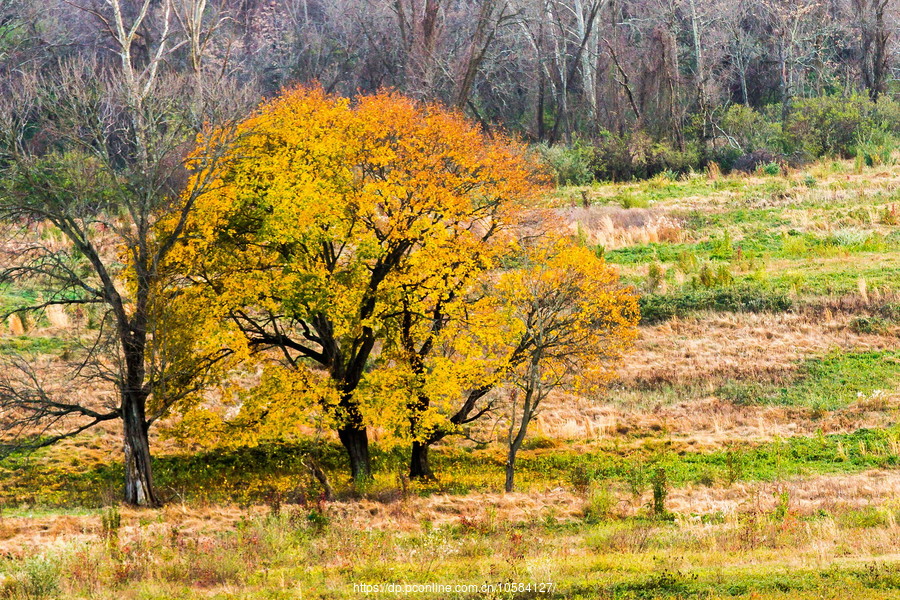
[(138, 471), (356, 442), (418, 462)]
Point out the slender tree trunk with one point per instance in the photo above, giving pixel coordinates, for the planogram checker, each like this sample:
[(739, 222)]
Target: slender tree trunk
[(530, 404), (356, 442), (510, 468), (419, 468), (138, 471)]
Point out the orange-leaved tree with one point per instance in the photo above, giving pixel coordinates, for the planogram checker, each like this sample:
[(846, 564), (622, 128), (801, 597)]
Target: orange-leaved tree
[(570, 322), (334, 221)]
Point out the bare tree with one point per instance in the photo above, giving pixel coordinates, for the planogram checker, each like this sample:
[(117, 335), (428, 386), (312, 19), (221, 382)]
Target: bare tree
[(95, 150), (874, 41)]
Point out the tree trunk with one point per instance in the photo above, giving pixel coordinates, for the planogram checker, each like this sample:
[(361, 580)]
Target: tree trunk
[(539, 115), (138, 471), (510, 469), (356, 442), (418, 462)]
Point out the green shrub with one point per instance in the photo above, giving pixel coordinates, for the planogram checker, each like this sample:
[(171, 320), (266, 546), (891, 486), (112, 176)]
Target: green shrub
[(725, 157), (865, 518), (638, 156), (772, 169), (611, 160), (687, 261), (655, 276), (570, 165), (723, 247), (836, 126), (876, 148), (659, 484), (741, 298), (600, 504), (38, 579), (629, 200), (710, 277), (749, 128), (871, 325)]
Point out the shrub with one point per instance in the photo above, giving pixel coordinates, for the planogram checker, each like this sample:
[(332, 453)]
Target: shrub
[(710, 277), (748, 128), (659, 483), (600, 504), (890, 215), (871, 325), (725, 157), (876, 148), (570, 165), (771, 169), (743, 298), (637, 156), (629, 200), (611, 160), (110, 523), (836, 126), (655, 276), (750, 163), (38, 579), (687, 261)]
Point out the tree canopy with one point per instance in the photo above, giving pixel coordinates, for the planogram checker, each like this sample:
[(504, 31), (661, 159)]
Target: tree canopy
[(336, 228)]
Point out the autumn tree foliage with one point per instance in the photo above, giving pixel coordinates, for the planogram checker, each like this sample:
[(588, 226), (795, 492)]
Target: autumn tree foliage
[(341, 234), (570, 322)]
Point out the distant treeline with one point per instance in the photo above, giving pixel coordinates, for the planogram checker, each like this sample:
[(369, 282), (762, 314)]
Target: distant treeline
[(636, 87), (745, 139)]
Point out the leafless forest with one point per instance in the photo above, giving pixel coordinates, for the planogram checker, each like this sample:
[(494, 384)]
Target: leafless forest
[(550, 70)]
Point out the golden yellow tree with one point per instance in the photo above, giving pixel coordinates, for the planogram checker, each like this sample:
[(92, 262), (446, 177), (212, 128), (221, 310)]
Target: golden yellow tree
[(333, 221), (570, 322)]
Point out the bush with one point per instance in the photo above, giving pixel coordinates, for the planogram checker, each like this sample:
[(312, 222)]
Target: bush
[(725, 157), (38, 579), (612, 159), (752, 162), (877, 148), (570, 165), (749, 128), (601, 503), (744, 298), (836, 126), (871, 325), (772, 169), (637, 156)]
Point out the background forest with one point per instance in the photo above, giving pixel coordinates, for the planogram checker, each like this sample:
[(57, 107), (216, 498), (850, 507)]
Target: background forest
[(634, 87)]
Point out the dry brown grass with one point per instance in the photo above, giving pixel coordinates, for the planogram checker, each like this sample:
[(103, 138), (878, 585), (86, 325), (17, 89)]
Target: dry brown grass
[(669, 383), (832, 494), (829, 493), (613, 227), (720, 346)]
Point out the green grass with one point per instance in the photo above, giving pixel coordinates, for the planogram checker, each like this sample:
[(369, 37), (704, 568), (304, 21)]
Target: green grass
[(32, 345), (276, 473), (16, 297), (826, 383), (765, 245)]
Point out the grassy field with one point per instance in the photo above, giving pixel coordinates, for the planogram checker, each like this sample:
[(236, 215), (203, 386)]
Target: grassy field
[(748, 449)]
